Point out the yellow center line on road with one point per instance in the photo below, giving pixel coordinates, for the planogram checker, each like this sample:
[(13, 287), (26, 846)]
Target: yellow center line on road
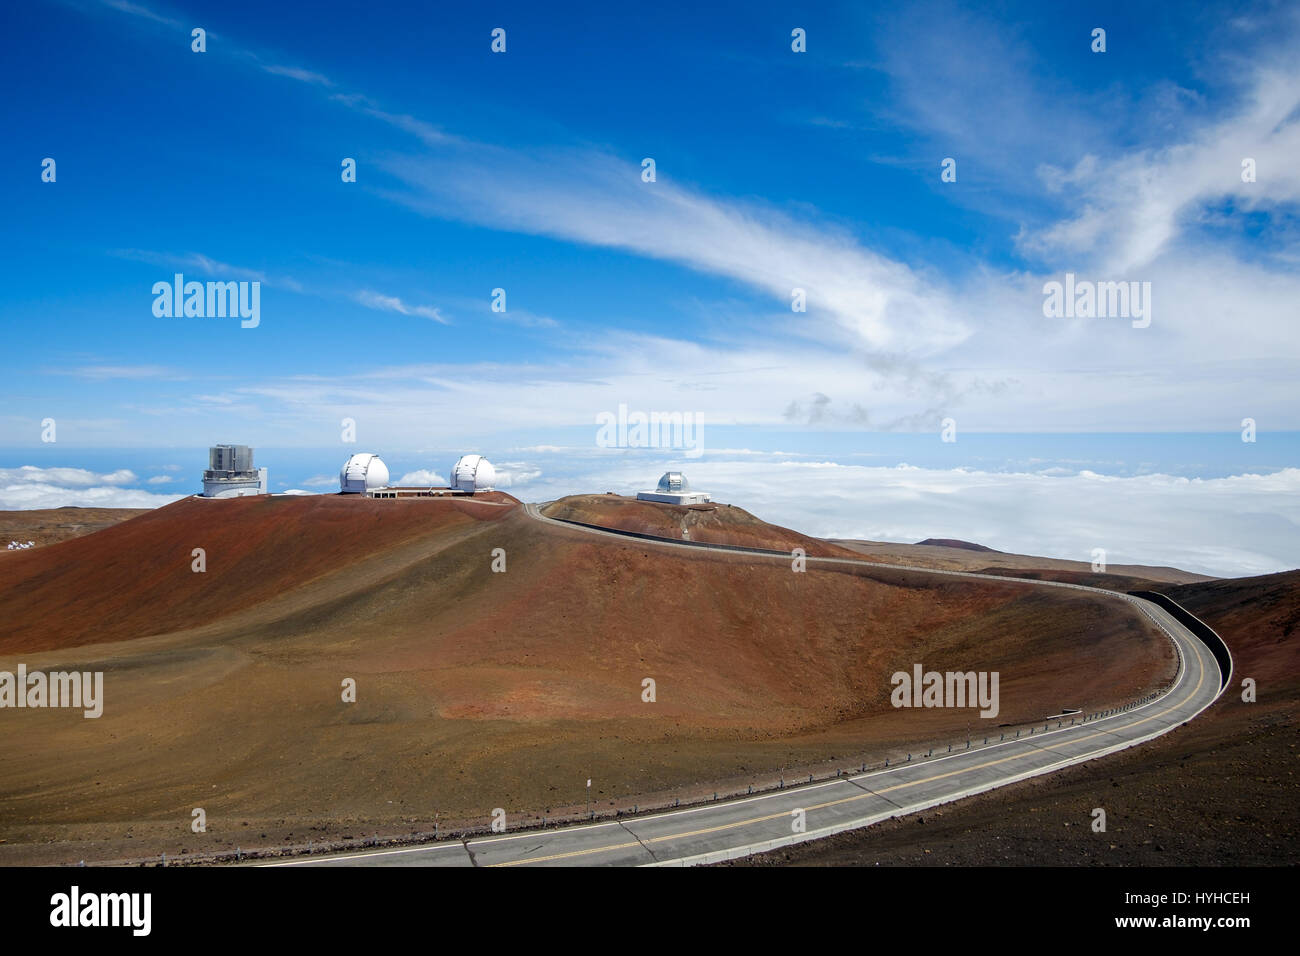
[(862, 796)]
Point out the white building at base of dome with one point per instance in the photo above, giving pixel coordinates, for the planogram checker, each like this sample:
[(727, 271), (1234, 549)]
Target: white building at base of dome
[(471, 475), (674, 489)]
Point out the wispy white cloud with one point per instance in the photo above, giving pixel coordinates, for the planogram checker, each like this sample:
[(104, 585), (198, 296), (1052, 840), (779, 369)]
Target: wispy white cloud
[(600, 200), (98, 373), (1132, 207), (977, 344), (391, 303), (525, 319), (1123, 170), (207, 266), (296, 73), (139, 10), (428, 133)]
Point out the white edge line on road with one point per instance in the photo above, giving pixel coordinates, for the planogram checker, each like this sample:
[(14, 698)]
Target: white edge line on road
[(718, 856)]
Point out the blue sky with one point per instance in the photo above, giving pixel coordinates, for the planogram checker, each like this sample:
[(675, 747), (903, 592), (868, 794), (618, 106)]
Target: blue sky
[(775, 170)]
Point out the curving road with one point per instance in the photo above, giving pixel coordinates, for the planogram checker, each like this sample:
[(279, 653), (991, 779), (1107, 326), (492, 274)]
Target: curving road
[(736, 828)]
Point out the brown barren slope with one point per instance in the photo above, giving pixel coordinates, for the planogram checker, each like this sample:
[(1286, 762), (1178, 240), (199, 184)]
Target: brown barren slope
[(47, 525), (1221, 790), (962, 556), (711, 523), (135, 578), (478, 689)]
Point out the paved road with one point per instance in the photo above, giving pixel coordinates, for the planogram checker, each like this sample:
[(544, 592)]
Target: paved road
[(736, 828)]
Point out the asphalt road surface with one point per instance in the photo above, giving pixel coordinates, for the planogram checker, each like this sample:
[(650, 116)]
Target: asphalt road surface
[(735, 828)]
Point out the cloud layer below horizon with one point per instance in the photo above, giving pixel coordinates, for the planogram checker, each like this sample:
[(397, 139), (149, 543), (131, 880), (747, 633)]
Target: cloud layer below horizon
[(1236, 526)]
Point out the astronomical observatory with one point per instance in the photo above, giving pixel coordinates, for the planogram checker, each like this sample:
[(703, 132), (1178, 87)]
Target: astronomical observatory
[(366, 474), (363, 473), (231, 474), (674, 489), (473, 473)]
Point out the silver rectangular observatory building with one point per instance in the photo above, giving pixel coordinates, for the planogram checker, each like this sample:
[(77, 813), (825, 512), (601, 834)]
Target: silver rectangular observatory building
[(231, 473)]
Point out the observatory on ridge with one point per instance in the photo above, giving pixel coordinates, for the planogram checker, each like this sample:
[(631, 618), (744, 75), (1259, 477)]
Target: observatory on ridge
[(674, 489), (362, 473), (231, 474), (470, 475)]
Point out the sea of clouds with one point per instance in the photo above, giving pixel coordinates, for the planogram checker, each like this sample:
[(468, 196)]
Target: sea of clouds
[(1232, 526), (1228, 526)]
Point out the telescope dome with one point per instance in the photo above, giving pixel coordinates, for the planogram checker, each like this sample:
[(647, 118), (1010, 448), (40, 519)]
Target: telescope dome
[(674, 482), (473, 473), (361, 473)]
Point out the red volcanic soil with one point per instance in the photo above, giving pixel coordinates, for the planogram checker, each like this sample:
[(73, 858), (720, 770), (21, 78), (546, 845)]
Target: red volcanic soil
[(479, 689), (1260, 619), (135, 578), (1221, 790), (712, 523), (955, 555)]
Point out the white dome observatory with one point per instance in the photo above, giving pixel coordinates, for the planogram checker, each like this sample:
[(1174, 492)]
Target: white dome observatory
[(674, 489), (472, 474), (362, 473), (674, 482)]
